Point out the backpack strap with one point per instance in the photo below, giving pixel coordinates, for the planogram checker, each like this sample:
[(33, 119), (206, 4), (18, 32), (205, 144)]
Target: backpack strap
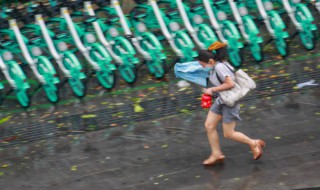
[(226, 64)]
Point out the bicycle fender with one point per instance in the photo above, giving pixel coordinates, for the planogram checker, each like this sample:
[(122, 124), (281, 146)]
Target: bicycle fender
[(185, 37), (49, 66), (125, 44), (212, 36), (105, 54), (276, 19), (306, 12), (18, 71), (231, 26), (152, 38), (251, 28)]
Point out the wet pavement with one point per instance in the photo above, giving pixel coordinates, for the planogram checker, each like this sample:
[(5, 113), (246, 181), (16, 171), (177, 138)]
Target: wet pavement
[(167, 152), (150, 135)]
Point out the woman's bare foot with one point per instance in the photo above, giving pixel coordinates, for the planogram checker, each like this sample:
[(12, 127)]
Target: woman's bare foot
[(214, 160), (256, 148)]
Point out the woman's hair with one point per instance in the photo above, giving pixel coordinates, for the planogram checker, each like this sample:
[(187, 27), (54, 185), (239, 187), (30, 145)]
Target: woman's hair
[(220, 53)]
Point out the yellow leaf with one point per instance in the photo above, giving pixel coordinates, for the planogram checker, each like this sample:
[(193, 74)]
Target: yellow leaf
[(277, 138), (5, 166), (5, 119), (164, 146), (184, 111), (88, 116), (73, 168), (138, 108), (182, 89)]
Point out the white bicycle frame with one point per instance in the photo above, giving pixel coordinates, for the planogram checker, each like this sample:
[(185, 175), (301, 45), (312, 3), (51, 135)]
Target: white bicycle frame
[(213, 20), (25, 52), (5, 71), (291, 12), (188, 24), (164, 28), (98, 30), (237, 17), (317, 4), (265, 16), (84, 50), (126, 29), (49, 42)]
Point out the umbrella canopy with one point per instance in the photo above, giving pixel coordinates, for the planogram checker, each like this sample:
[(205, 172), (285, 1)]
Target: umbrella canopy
[(192, 72)]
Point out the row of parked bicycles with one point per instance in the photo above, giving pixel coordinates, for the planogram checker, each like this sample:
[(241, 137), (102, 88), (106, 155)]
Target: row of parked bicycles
[(54, 39)]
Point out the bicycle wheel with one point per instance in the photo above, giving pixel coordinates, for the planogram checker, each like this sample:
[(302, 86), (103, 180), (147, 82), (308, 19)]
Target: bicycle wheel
[(256, 51), (50, 87), (157, 68), (308, 39), (105, 76), (128, 73), (281, 46), (71, 62), (21, 92)]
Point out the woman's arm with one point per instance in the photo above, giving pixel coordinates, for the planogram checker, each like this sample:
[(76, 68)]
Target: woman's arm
[(226, 85)]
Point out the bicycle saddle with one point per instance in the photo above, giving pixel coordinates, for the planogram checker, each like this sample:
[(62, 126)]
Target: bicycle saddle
[(4, 24), (137, 15), (111, 19), (196, 7), (60, 34), (141, 1), (102, 3), (75, 5), (5, 42), (172, 11), (34, 39), (89, 19)]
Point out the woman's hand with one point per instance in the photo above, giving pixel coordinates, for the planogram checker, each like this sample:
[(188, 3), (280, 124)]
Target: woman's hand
[(208, 91)]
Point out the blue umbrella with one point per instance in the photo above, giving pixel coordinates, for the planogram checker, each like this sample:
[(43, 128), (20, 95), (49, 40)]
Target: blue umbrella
[(192, 72)]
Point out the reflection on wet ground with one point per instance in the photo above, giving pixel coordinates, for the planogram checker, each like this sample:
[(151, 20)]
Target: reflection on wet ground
[(167, 152)]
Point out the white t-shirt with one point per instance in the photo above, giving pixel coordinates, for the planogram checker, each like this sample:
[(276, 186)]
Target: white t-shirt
[(221, 70)]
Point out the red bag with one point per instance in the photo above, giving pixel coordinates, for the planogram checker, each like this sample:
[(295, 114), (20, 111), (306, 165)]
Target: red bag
[(206, 101)]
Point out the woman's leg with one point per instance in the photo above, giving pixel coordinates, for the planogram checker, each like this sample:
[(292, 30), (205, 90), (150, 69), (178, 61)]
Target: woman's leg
[(211, 124), (255, 145)]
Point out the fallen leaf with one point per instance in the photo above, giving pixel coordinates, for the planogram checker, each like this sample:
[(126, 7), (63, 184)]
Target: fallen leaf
[(138, 108), (5, 119), (164, 146), (88, 116), (73, 168), (277, 138), (273, 76)]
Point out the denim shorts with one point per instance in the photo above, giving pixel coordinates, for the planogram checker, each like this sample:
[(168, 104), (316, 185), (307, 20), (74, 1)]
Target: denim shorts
[(229, 114)]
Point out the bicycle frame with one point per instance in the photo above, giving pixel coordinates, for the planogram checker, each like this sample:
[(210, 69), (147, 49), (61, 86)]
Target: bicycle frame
[(248, 28), (66, 60), (227, 33), (39, 64), (179, 41), (14, 75), (274, 25), (151, 51), (118, 46), (303, 20)]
